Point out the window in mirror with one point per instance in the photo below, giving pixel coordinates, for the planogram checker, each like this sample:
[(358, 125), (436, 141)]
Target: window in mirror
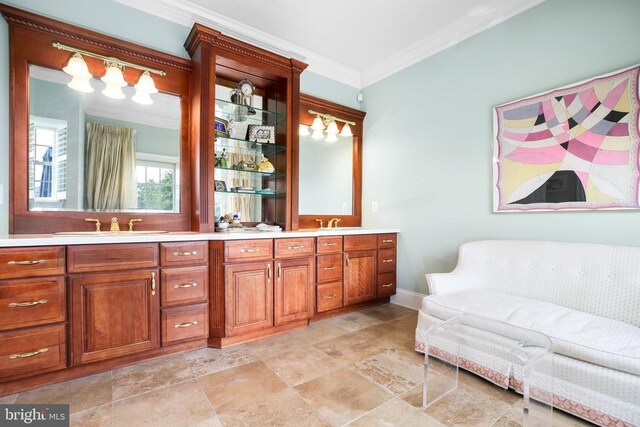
[(88, 152)]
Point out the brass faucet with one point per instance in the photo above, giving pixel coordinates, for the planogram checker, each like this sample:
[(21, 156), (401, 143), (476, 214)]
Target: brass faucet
[(97, 221), (115, 227), (132, 221), (333, 223), (321, 223)]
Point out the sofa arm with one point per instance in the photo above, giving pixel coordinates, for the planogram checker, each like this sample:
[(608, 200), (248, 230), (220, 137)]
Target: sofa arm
[(448, 283)]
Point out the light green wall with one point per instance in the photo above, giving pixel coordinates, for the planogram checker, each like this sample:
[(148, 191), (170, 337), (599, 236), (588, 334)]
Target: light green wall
[(428, 132), (118, 20)]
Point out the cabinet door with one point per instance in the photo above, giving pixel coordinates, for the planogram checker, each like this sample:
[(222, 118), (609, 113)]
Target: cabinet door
[(249, 297), (114, 314), (359, 277), (293, 287)]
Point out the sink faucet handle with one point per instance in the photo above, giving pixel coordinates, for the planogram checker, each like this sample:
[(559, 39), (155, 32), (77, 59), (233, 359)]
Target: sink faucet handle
[(321, 223), (97, 221), (132, 221), (115, 227), (333, 223)]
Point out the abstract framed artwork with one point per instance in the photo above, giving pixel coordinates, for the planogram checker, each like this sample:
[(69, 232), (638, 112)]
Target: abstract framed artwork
[(572, 148)]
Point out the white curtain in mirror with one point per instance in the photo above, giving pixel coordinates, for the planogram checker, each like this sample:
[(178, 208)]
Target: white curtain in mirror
[(111, 166)]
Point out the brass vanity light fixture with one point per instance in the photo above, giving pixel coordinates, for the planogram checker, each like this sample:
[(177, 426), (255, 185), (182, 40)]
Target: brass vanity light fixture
[(329, 122), (113, 77)]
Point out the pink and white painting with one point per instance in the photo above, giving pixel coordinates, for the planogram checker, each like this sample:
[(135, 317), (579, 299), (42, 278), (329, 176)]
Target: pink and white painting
[(572, 148)]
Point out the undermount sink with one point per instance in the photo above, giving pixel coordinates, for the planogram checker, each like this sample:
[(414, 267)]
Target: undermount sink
[(107, 233)]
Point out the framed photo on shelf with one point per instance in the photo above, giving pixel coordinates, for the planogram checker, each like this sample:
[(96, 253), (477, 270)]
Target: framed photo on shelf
[(221, 126), (261, 133), (220, 185)]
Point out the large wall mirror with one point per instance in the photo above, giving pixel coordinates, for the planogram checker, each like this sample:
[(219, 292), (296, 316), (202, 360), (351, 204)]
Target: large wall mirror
[(329, 164), (76, 154)]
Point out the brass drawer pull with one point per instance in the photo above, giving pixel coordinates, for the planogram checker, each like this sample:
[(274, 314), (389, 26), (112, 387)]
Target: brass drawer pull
[(185, 253), (185, 285), (387, 260), (28, 303), (329, 244), (387, 241), (31, 354), (186, 325), (295, 247), (33, 262), (387, 286), (330, 296), (153, 284), (330, 268), (249, 250)]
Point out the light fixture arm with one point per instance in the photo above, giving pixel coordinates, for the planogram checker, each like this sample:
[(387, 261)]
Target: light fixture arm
[(108, 59), (328, 118)]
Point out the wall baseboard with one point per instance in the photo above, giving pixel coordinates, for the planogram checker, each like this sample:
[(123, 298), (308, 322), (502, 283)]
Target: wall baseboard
[(409, 299)]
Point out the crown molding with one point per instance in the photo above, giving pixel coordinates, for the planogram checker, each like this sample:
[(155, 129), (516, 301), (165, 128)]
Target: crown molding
[(186, 13), (453, 33)]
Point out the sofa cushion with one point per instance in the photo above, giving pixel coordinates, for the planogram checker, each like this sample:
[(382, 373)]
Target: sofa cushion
[(576, 334)]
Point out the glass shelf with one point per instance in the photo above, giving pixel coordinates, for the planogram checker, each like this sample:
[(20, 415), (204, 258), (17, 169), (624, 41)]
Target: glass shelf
[(243, 144), (265, 174), (228, 110), (272, 195)]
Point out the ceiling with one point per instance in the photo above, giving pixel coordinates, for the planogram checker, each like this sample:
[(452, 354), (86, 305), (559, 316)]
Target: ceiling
[(357, 42)]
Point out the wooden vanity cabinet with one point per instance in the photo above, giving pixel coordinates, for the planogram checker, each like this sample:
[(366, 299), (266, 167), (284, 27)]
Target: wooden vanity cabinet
[(248, 297), (293, 290), (359, 276)]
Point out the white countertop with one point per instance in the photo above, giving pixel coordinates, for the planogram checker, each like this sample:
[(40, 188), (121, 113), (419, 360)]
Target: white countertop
[(16, 240)]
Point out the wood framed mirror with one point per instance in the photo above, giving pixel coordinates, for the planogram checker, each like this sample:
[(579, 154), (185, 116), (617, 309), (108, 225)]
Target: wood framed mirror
[(56, 180), (329, 170)]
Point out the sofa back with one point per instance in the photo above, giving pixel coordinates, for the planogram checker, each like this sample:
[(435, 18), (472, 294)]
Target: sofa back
[(598, 279)]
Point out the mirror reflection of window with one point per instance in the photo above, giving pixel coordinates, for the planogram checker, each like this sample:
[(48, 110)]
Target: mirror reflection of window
[(47, 162)]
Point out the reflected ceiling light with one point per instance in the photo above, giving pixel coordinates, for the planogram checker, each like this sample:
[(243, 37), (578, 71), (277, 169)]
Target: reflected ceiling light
[(346, 131), (317, 134), (332, 128), (114, 79), (317, 124), (303, 130), (331, 137)]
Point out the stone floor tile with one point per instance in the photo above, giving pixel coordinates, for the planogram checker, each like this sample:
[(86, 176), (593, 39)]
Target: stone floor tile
[(508, 396), (343, 396), (354, 321), (320, 330), (387, 312), (8, 399), (391, 370), (354, 346), (211, 360), (269, 347), (100, 416), (283, 409), (144, 377), (301, 365), (183, 404), (80, 395), (397, 413), (240, 386)]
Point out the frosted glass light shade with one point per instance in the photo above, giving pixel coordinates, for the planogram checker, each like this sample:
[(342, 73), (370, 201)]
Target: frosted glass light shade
[(81, 84), (303, 130), (331, 137), (114, 77), (146, 84), (113, 91), (76, 67), (317, 124), (317, 134), (332, 129), (142, 98), (346, 130)]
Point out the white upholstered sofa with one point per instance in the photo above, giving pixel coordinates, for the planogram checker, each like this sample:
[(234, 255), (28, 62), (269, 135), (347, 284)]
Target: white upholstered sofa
[(585, 297)]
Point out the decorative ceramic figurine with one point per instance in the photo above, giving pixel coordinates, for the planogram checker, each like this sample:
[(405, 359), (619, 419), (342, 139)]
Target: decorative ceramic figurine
[(266, 166), (222, 161)]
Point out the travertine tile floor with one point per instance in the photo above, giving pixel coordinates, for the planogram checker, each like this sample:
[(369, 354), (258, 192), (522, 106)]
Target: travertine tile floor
[(358, 369)]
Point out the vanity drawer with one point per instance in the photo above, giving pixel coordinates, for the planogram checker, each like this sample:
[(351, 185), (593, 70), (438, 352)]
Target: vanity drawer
[(32, 351), (184, 323), (31, 302), (125, 256), (294, 248), (329, 296), (329, 268), (185, 285), (329, 244), (360, 243), (386, 260), (16, 263), (248, 250), (387, 241), (386, 284), (183, 253)]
